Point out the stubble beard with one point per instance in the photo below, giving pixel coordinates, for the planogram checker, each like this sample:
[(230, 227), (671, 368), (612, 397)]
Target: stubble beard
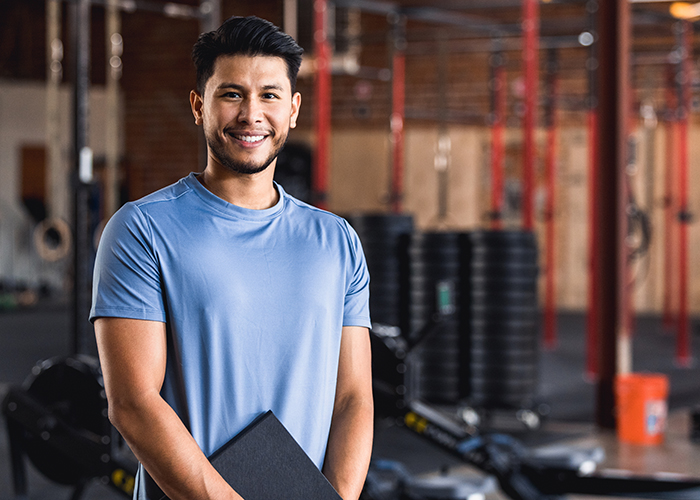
[(218, 151)]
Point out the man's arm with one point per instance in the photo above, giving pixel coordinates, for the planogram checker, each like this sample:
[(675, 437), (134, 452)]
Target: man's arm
[(352, 427), (133, 358)]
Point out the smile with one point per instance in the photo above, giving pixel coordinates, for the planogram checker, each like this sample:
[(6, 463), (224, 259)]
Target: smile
[(249, 138)]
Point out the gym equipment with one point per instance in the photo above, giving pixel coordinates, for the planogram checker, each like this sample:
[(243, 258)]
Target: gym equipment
[(385, 239), (436, 257), (522, 474), (502, 309), (58, 420)]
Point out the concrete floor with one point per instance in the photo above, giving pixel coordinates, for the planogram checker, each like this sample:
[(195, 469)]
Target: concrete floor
[(29, 335)]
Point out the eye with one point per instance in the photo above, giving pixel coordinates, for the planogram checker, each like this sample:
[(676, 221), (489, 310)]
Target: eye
[(231, 95), (270, 95)]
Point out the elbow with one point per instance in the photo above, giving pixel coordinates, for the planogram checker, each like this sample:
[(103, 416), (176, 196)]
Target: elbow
[(119, 416), (128, 414), (359, 405)]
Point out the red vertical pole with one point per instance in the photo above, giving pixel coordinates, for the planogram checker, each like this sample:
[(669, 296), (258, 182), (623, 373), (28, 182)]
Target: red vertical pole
[(323, 104), (530, 26), (550, 322), (669, 205), (398, 97), (683, 339), (498, 109)]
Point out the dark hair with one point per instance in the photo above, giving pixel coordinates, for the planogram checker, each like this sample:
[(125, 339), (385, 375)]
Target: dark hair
[(249, 36)]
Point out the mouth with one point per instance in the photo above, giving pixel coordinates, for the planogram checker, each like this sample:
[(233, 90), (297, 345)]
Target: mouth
[(247, 138)]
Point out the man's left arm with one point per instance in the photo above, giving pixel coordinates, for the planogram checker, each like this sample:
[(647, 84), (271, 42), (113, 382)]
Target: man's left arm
[(352, 427)]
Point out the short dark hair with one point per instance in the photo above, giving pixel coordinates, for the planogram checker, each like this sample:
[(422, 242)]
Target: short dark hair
[(249, 36)]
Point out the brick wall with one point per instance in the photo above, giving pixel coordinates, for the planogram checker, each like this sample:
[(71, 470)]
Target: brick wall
[(161, 139), (160, 136)]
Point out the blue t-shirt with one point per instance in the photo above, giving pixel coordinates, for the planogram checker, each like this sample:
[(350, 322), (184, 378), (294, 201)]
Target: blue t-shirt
[(254, 302)]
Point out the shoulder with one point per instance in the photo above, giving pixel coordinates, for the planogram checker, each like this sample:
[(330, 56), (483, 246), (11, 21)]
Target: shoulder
[(168, 194), (136, 216), (151, 202), (328, 220), (329, 230)]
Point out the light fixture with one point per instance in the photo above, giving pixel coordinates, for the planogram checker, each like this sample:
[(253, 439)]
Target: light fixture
[(684, 10)]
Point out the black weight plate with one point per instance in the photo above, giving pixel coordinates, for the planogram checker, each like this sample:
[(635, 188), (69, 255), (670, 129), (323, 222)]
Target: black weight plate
[(523, 299), (437, 238), (504, 275), (486, 284), (389, 247), (71, 388), (483, 265), (500, 344), (504, 386), (516, 254), (502, 311), (503, 327), (503, 315), (506, 356), (502, 238), (443, 269)]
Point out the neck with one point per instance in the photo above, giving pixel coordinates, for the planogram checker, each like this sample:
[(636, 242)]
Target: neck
[(254, 191)]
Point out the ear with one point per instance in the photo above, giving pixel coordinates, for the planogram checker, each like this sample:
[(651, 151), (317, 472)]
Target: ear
[(296, 104), (196, 103)]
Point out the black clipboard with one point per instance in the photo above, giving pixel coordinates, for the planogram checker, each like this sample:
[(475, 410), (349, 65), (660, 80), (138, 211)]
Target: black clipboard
[(264, 462)]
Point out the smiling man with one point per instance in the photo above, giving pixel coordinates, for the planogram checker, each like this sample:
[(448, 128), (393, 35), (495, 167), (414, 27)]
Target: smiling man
[(221, 297)]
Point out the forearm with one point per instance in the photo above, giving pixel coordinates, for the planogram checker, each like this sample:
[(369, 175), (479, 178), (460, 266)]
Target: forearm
[(350, 447), (168, 451)]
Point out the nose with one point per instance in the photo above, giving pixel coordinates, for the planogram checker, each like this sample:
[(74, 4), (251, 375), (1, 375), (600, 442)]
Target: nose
[(250, 111)]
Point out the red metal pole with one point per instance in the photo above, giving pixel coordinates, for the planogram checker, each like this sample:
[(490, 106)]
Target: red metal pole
[(398, 88), (530, 26), (498, 93), (683, 339), (550, 321), (669, 205), (323, 104)]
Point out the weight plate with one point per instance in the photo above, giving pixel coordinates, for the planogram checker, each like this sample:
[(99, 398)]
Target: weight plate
[(502, 238), (71, 388)]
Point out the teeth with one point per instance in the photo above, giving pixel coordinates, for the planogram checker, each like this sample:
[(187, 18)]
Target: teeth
[(250, 138)]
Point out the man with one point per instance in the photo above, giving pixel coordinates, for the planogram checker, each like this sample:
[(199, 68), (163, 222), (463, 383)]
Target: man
[(221, 297)]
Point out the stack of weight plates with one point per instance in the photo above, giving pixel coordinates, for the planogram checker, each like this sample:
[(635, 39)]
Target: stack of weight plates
[(436, 257), (385, 239), (502, 319)]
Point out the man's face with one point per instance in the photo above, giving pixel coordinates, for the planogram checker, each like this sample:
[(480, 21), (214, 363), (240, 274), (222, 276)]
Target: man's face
[(246, 111)]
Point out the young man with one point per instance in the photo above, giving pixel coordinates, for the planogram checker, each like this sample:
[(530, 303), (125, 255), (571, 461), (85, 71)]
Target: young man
[(221, 297)]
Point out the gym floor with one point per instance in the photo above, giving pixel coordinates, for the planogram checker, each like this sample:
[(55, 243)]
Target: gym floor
[(41, 332)]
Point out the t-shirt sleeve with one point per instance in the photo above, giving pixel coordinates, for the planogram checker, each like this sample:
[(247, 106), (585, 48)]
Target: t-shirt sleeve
[(356, 312), (126, 280)]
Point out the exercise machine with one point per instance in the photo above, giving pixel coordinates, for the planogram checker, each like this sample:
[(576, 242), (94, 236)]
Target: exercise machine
[(58, 421)]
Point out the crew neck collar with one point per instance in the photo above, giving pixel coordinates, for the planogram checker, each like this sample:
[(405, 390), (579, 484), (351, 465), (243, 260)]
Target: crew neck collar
[(232, 210)]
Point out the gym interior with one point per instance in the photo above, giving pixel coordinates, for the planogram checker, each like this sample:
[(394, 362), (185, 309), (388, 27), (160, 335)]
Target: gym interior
[(522, 175)]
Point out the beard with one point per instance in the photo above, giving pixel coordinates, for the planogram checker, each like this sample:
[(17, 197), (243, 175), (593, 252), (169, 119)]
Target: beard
[(218, 151)]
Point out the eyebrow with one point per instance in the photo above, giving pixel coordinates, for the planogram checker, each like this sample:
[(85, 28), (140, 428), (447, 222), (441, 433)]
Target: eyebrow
[(236, 86)]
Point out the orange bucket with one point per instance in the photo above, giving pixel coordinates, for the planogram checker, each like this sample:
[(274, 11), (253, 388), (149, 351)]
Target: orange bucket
[(641, 407)]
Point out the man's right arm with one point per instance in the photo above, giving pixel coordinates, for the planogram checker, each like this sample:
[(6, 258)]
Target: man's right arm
[(133, 357)]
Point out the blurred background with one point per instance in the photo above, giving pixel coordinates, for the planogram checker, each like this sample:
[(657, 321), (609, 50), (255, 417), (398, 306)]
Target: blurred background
[(534, 163)]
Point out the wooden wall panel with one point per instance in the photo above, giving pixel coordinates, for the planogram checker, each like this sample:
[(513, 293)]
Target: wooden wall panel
[(359, 182), (571, 219), (359, 177)]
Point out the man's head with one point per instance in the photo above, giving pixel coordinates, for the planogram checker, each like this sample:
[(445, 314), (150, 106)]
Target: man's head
[(248, 36)]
